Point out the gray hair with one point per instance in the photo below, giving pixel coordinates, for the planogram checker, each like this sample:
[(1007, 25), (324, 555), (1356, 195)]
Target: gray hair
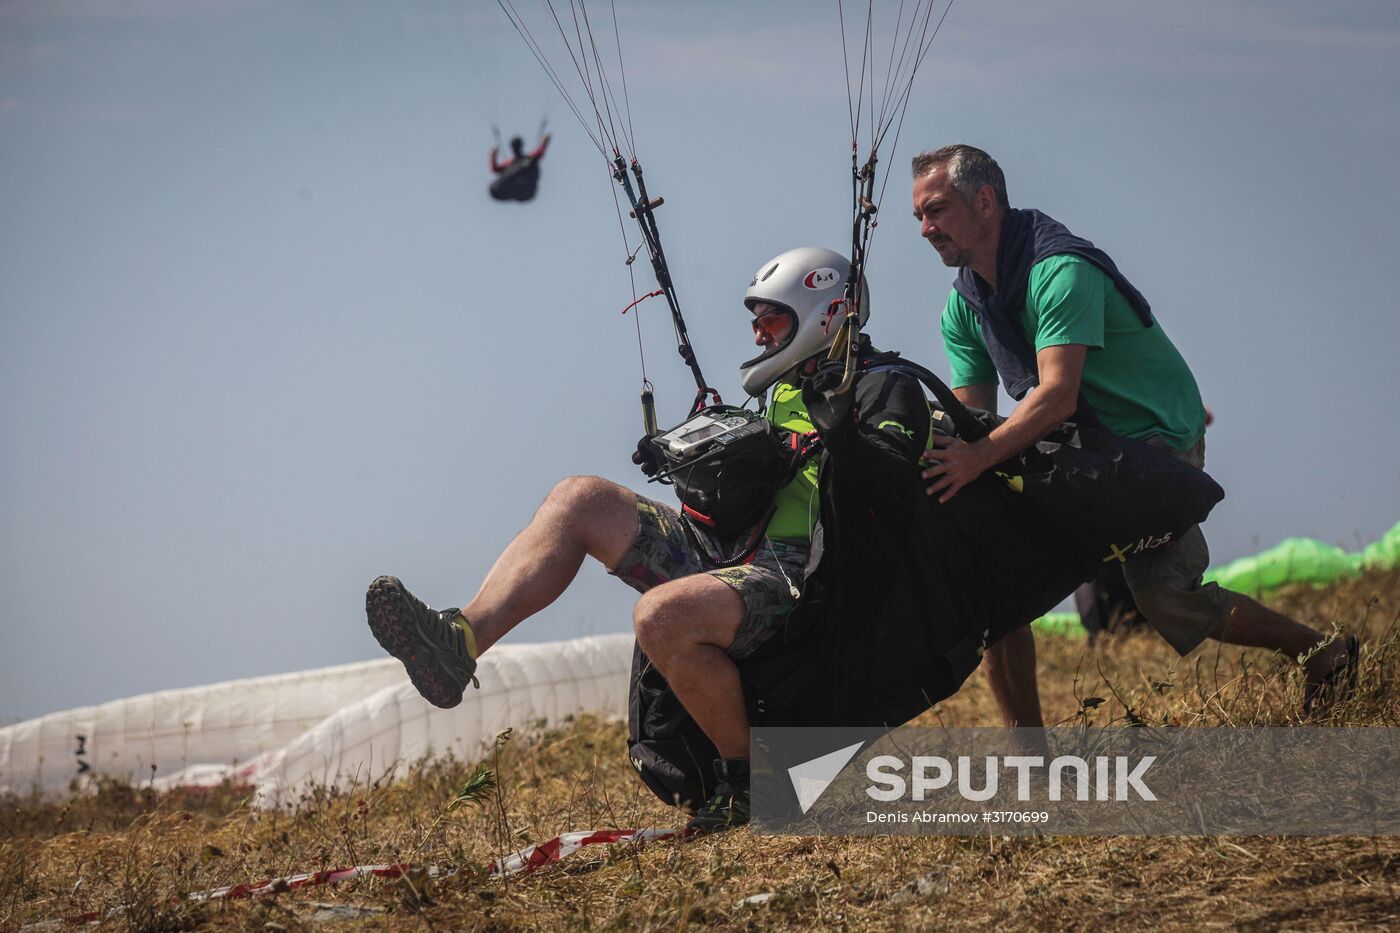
[(969, 168)]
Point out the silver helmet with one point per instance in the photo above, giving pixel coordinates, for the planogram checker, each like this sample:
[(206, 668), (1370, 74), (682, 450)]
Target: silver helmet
[(803, 283)]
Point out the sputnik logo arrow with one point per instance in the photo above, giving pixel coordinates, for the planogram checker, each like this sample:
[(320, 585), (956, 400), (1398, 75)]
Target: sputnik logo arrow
[(811, 778)]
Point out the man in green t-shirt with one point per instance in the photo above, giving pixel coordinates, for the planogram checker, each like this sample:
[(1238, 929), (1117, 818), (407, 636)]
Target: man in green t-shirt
[(1051, 315), (695, 619)]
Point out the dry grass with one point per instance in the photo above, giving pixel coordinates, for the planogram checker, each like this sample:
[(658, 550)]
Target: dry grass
[(125, 846)]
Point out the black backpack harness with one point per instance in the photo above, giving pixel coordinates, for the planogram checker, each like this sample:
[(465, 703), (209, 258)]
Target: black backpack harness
[(728, 465)]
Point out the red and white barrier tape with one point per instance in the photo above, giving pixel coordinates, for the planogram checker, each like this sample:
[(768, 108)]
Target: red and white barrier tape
[(527, 860), (517, 863), (309, 879)]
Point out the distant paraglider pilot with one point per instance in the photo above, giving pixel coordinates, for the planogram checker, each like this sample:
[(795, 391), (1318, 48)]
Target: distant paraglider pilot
[(517, 178)]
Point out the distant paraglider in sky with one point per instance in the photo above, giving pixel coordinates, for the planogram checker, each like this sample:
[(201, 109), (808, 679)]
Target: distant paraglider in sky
[(518, 177), (493, 91)]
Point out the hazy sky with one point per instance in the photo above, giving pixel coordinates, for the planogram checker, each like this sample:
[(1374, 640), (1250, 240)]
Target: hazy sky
[(265, 336)]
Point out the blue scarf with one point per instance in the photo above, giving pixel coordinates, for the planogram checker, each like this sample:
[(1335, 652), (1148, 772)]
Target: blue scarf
[(1027, 237)]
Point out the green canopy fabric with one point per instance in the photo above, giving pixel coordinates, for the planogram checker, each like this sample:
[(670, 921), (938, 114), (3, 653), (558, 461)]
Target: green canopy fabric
[(1383, 554), (1059, 623), (1292, 560)]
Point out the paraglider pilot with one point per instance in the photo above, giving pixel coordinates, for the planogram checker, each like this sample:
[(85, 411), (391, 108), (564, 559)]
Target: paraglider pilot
[(517, 147), (517, 178), (694, 620)]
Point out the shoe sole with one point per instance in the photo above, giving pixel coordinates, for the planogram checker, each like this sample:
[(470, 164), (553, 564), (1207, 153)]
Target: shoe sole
[(394, 616)]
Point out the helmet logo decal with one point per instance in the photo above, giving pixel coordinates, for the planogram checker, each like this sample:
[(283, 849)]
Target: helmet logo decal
[(821, 278)]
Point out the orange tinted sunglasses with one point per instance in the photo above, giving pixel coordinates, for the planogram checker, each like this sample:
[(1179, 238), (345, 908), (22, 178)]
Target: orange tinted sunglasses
[(771, 323)]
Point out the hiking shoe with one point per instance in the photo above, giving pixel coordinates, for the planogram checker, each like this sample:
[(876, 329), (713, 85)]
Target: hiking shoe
[(728, 807), (433, 650), (1337, 684)]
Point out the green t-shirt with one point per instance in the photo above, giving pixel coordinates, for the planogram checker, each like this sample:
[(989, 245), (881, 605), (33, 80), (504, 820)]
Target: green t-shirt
[(1134, 377), (798, 505)]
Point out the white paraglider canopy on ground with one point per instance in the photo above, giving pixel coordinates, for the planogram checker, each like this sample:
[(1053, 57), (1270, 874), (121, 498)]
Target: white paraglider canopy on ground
[(337, 726)]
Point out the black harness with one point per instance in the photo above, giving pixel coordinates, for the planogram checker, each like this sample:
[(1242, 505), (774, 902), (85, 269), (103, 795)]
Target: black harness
[(727, 465), (518, 181)]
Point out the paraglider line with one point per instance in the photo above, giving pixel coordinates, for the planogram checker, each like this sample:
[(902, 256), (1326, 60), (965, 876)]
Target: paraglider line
[(904, 106), (622, 67), (609, 97), (509, 9)]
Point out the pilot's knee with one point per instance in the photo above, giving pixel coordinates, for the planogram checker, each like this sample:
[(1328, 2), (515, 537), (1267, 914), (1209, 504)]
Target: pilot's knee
[(587, 495), (652, 621)]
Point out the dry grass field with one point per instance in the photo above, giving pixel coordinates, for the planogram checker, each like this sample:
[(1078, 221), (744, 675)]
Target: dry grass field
[(142, 853)]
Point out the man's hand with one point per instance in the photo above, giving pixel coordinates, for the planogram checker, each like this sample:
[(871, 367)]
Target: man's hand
[(646, 456), (828, 412), (955, 463)]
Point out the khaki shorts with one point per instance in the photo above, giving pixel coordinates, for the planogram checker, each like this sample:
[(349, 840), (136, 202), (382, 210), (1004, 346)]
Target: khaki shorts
[(1167, 586), (664, 552)]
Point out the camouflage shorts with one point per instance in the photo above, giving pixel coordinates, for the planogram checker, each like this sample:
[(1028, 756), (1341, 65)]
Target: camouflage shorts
[(664, 552)]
